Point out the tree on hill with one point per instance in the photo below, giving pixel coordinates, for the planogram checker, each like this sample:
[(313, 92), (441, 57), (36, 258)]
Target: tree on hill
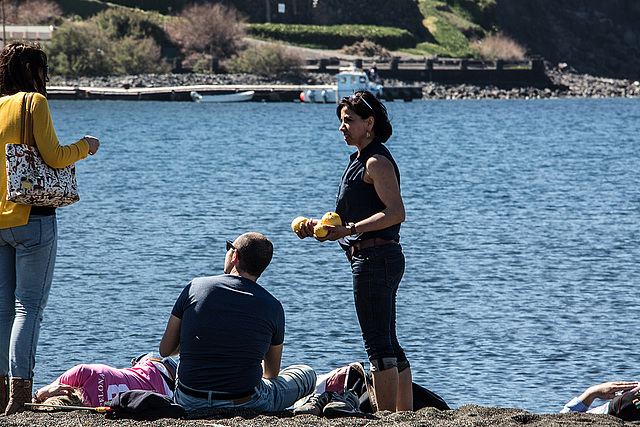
[(79, 49), (213, 29), (115, 41), (121, 23), (31, 12)]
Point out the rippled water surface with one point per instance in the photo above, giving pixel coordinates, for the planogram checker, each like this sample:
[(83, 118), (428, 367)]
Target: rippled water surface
[(522, 237)]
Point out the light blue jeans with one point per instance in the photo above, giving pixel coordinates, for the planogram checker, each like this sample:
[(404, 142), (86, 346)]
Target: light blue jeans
[(292, 383), (27, 258)]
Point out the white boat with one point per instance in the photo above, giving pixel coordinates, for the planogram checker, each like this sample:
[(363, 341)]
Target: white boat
[(349, 80), (228, 97)]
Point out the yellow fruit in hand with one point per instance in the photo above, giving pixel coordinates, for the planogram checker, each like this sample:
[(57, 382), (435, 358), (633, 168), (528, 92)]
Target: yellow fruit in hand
[(297, 223), (331, 218), (318, 231)]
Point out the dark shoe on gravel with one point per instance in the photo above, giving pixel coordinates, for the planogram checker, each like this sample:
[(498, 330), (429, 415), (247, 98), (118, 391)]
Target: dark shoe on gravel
[(314, 405), (343, 405)]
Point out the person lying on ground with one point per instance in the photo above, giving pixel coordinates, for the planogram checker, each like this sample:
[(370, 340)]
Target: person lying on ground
[(92, 385), (229, 332), (604, 391)]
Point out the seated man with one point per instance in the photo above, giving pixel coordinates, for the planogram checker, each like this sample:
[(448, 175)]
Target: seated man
[(603, 391), (93, 385), (229, 332)]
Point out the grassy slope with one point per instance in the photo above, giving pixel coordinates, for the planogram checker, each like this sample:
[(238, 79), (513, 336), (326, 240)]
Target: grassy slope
[(451, 23)]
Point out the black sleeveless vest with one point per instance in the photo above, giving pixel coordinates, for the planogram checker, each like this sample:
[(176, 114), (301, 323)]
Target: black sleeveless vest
[(358, 200)]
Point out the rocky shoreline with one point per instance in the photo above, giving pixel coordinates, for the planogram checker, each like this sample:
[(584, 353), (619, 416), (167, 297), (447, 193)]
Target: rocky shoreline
[(564, 83), (464, 416)]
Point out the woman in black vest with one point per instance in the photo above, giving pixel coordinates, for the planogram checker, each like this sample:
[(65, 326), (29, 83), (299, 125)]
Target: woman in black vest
[(371, 208)]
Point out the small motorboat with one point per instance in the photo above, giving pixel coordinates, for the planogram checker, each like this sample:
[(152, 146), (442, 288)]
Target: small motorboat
[(227, 97), (349, 80)]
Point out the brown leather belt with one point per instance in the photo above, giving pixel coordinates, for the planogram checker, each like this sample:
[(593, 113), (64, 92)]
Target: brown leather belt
[(369, 243), (236, 398)]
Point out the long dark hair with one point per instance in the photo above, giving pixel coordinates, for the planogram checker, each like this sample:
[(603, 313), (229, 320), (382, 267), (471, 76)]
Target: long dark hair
[(20, 65), (365, 104)]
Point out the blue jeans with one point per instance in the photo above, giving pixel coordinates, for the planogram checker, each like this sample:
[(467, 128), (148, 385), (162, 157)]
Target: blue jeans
[(292, 383), (27, 258), (377, 272)]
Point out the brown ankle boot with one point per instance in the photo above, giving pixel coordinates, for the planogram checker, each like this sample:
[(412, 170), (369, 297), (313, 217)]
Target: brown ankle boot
[(4, 393), (19, 395)]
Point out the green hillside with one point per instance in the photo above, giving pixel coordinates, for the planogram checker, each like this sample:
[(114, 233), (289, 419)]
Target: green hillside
[(595, 37), (454, 24), (451, 24)]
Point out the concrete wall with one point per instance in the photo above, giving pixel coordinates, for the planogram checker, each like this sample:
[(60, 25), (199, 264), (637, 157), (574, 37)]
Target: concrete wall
[(27, 32)]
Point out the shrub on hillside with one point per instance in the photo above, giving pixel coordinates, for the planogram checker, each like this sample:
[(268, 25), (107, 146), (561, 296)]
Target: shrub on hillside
[(269, 60), (133, 55), (79, 49), (499, 46), (120, 23), (202, 64), (31, 12), (110, 43), (213, 29), (366, 48), (481, 12)]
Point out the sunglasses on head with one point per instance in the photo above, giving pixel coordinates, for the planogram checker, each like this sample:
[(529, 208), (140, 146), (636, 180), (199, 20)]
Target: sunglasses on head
[(356, 97), (230, 246)]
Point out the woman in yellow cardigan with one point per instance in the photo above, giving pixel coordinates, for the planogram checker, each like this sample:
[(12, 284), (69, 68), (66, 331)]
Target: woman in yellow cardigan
[(28, 235)]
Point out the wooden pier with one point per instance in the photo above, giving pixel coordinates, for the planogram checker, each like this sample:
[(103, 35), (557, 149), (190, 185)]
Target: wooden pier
[(441, 70), (271, 93), (176, 93)]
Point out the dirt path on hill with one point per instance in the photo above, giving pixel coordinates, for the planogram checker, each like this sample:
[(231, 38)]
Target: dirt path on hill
[(315, 54)]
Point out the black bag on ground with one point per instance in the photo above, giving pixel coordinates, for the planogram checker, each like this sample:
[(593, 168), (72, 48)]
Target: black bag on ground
[(143, 405), (626, 405), (360, 382), (423, 398)]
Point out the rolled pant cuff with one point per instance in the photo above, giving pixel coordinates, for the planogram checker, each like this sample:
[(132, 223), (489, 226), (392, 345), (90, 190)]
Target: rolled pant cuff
[(383, 364)]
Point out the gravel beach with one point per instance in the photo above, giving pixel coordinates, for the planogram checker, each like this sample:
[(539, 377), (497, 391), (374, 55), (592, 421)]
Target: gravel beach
[(464, 416)]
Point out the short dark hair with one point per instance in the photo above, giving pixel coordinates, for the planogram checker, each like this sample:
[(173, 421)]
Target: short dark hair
[(19, 68), (365, 104), (254, 252)]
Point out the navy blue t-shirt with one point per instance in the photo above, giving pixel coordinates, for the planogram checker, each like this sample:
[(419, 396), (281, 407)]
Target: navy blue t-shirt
[(228, 324)]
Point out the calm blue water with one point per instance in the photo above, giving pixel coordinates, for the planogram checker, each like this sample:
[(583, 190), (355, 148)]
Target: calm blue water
[(522, 237)]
